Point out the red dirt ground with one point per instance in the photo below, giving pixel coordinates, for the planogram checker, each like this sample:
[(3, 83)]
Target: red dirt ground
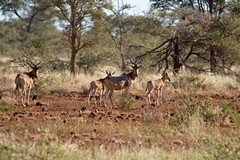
[(63, 109)]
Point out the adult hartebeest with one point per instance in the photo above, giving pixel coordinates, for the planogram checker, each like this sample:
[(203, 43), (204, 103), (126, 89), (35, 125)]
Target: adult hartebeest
[(156, 85), (98, 85), (24, 82), (119, 82)]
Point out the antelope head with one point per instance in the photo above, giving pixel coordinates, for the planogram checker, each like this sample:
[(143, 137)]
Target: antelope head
[(109, 74), (35, 68), (165, 77), (135, 68)]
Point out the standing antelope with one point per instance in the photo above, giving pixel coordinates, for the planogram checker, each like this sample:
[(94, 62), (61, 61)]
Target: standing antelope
[(98, 85), (156, 85), (24, 82), (119, 82)]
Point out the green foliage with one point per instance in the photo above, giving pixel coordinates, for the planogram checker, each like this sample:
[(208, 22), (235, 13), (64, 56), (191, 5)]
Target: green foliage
[(204, 111), (188, 81), (42, 150), (6, 151), (5, 106), (58, 65), (90, 62), (125, 100), (222, 152), (229, 110), (183, 115), (207, 112), (45, 150), (39, 88), (236, 119), (9, 37)]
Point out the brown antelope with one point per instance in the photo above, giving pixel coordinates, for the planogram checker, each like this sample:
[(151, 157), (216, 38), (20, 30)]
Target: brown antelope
[(156, 85), (24, 82), (98, 85), (119, 82)]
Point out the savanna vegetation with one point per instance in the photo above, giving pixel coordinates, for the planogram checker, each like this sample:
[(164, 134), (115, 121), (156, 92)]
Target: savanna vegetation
[(77, 41)]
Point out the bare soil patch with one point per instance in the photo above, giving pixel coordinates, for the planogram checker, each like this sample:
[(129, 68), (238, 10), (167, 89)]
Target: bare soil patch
[(68, 118)]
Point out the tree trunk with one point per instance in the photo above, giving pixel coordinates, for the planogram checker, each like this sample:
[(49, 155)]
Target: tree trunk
[(72, 62), (213, 60), (177, 65), (123, 66), (176, 56)]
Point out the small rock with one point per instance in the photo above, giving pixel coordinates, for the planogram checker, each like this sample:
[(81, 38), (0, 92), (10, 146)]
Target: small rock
[(34, 97), (83, 108), (92, 115), (39, 104)]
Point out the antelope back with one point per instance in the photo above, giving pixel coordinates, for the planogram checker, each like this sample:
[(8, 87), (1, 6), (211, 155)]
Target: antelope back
[(23, 80)]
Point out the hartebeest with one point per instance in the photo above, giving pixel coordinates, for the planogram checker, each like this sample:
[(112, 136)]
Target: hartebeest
[(24, 82), (119, 82), (98, 85), (156, 85)]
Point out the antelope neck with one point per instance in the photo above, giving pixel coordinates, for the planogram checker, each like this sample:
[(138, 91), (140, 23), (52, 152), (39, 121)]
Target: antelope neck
[(131, 75), (164, 78), (31, 74)]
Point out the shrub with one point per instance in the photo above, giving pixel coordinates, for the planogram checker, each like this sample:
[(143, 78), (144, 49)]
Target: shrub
[(188, 81), (207, 112), (125, 100), (192, 108), (183, 114), (39, 87), (222, 152)]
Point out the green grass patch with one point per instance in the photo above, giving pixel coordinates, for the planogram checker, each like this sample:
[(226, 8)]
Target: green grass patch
[(7, 107)]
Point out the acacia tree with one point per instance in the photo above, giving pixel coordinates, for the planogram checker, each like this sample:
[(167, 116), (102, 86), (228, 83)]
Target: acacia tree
[(31, 12), (30, 24), (193, 32), (77, 18), (117, 26)]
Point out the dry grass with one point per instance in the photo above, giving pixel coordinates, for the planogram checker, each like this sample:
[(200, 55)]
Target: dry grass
[(146, 139), (41, 149), (63, 80)]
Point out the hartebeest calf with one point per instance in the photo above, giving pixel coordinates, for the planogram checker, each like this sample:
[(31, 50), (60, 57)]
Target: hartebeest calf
[(119, 82), (98, 85), (24, 82), (158, 86)]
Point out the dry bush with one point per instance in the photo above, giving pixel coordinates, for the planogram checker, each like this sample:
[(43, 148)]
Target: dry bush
[(193, 109), (124, 100), (188, 80), (63, 82)]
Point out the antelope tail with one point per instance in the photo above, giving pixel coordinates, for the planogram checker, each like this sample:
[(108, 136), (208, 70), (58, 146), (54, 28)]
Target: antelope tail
[(90, 88)]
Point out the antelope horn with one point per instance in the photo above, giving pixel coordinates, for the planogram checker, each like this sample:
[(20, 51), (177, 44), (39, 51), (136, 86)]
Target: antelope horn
[(133, 62), (37, 65)]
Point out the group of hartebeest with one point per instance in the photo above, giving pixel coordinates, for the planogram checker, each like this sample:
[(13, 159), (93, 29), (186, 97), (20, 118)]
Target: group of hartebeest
[(106, 86)]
